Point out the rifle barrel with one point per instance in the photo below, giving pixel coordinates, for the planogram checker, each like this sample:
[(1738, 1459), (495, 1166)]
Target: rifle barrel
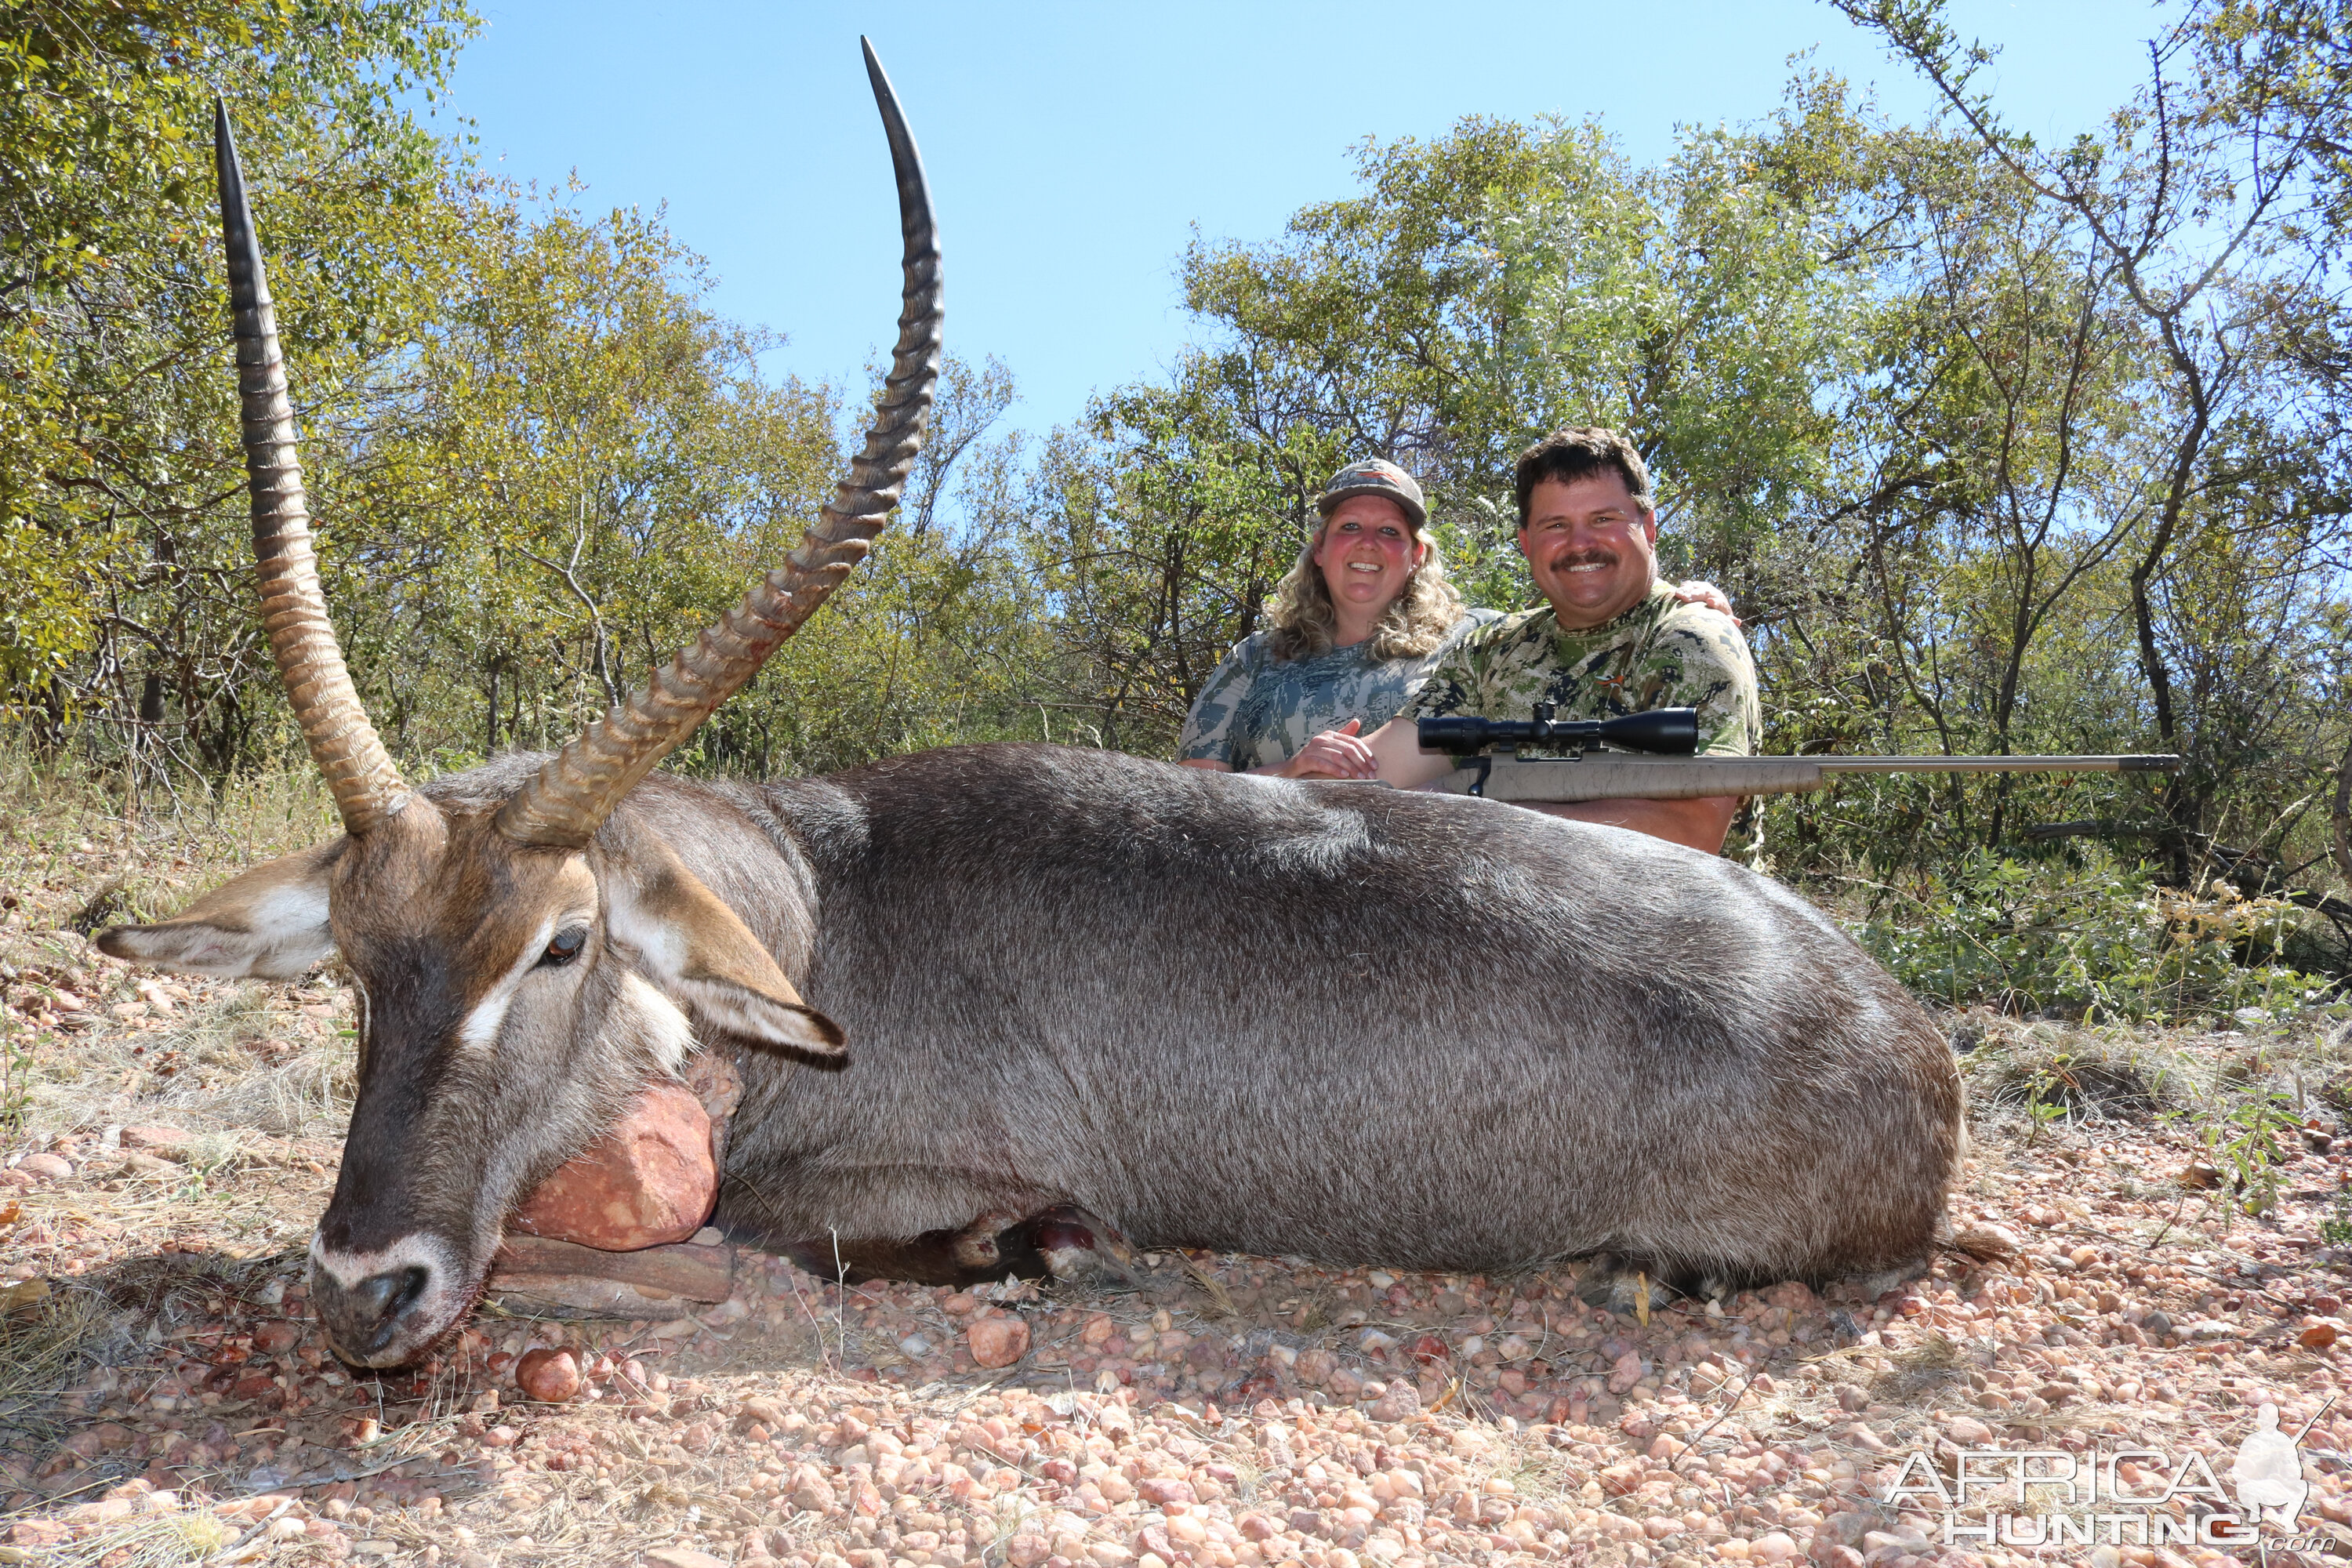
[(1617, 776), (2134, 764)]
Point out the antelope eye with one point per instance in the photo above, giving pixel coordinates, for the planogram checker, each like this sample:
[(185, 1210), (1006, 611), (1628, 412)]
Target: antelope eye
[(564, 948)]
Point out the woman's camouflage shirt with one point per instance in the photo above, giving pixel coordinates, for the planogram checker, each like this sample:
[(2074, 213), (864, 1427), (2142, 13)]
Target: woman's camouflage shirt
[(1257, 709), (1659, 653)]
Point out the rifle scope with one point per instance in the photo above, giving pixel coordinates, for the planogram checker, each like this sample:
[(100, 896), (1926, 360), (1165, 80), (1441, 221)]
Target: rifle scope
[(1671, 730)]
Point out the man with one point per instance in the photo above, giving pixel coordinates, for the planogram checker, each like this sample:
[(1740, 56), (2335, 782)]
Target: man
[(1610, 640)]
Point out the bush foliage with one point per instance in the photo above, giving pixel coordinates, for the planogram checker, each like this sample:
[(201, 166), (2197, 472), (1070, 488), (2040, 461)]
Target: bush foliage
[(2098, 941)]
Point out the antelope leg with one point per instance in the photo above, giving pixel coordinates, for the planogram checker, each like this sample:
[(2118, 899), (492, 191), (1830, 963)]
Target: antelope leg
[(1065, 1244)]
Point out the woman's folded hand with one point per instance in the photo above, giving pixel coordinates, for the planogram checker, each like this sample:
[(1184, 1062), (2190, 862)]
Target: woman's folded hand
[(1337, 753)]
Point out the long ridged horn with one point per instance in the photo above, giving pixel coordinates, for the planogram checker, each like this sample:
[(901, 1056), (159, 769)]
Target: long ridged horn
[(582, 785), (366, 786)]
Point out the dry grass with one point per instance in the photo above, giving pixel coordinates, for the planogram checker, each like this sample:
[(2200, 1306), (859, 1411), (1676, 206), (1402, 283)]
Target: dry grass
[(157, 1541), (74, 859), (2019, 1073), (222, 1060), (1536, 1467), (44, 1346), (1921, 1371)]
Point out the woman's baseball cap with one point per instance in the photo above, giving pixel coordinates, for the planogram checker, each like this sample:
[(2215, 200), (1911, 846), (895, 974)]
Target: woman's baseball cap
[(1374, 476)]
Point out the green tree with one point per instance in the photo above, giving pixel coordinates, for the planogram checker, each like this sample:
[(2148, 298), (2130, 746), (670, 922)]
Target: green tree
[(117, 474), (2193, 209), (1504, 280)]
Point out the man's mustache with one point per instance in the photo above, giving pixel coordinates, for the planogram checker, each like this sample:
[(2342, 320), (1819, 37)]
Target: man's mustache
[(1591, 555)]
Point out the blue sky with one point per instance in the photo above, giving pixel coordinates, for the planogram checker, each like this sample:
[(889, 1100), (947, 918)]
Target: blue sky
[(1073, 149)]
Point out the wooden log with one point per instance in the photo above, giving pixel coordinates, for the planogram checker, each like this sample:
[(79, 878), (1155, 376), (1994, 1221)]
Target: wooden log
[(535, 1273)]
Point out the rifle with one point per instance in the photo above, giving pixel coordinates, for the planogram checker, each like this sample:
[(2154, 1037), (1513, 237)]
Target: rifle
[(1653, 761)]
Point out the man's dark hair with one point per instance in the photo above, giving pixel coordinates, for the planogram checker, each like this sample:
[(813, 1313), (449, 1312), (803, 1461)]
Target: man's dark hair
[(1579, 452)]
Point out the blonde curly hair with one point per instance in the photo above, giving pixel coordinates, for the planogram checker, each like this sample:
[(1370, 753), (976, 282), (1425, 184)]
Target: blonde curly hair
[(1304, 620)]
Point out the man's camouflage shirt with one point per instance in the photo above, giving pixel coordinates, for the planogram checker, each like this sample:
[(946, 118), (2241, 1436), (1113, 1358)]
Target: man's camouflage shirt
[(1257, 709), (1659, 653)]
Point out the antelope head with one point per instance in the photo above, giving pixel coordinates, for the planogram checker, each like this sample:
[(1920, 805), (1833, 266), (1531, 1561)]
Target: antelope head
[(523, 958)]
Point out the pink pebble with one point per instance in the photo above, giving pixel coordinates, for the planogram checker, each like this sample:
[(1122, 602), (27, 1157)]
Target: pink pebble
[(998, 1342), (549, 1376)]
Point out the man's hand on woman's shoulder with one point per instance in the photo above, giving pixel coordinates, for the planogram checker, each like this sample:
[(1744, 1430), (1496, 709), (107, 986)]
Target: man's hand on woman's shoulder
[(1698, 590)]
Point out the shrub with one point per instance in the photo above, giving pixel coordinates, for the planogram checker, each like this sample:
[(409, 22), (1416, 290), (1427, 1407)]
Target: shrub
[(2100, 941)]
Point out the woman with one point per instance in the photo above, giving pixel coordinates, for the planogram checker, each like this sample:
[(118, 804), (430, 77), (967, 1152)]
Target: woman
[(1355, 628)]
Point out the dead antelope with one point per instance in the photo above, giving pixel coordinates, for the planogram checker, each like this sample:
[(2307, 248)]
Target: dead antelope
[(1082, 989)]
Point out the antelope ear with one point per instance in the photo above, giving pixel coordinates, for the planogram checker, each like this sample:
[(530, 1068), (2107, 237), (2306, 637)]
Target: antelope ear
[(698, 950), (269, 923)]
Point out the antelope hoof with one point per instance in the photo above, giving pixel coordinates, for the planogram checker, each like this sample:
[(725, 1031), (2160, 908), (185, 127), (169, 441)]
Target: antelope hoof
[(978, 1246), (1082, 1251)]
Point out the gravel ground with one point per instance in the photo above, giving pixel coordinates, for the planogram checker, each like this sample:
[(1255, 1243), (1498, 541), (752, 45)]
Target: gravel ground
[(164, 1396)]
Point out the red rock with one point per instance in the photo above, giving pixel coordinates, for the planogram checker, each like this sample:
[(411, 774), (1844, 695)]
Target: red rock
[(549, 1376), (46, 1167), (2319, 1335), (269, 1339), (766, 1412), (106, 1510), (682, 1557), (157, 1138), (811, 1492), (648, 1181), (999, 1342)]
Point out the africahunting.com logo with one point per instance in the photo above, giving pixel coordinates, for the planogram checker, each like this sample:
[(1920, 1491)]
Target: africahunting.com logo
[(2121, 1497)]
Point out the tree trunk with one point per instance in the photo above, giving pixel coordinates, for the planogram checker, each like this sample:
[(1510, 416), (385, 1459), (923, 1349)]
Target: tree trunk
[(2343, 818), (490, 721)]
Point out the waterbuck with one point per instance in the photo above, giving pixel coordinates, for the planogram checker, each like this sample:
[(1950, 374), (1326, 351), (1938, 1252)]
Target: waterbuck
[(991, 1000)]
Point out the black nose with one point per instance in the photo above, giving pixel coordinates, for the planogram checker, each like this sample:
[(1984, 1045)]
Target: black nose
[(377, 1302)]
